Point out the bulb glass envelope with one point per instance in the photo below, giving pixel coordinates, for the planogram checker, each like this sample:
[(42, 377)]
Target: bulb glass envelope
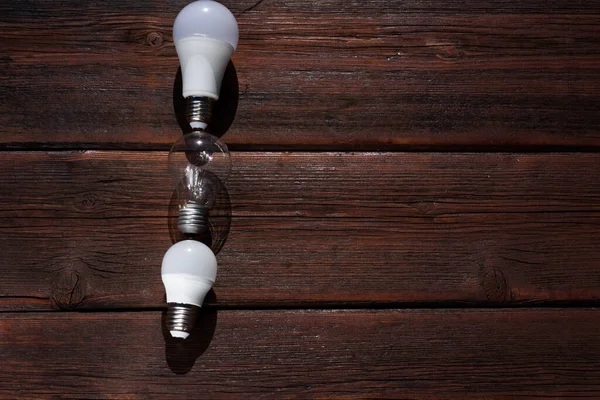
[(208, 19), (189, 269), (198, 164)]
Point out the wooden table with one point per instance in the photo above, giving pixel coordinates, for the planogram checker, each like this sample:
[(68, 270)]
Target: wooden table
[(414, 206)]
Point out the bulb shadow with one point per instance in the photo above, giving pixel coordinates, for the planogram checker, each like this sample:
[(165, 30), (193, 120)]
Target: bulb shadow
[(181, 355), (219, 220), (224, 110)]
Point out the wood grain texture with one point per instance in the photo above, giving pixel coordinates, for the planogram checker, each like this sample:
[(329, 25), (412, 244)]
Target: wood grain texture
[(419, 354), (88, 230), (331, 74)]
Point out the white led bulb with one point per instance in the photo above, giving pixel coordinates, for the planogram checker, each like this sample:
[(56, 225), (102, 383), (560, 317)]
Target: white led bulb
[(189, 270), (205, 34)]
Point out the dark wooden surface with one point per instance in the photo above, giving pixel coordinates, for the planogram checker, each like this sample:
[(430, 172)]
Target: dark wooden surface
[(308, 229), (462, 180), (331, 74), (450, 354)]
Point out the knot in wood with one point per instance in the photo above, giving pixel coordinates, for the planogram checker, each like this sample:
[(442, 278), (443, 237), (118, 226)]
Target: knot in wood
[(425, 207), (86, 201), (494, 286), (449, 52), (68, 288), (154, 39)]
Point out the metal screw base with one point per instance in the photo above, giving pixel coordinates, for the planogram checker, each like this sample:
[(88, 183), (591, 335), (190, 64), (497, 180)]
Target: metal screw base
[(193, 219), (181, 317), (199, 109)]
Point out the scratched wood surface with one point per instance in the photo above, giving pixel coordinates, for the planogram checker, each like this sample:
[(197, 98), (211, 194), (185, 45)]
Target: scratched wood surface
[(332, 74), (410, 354), (90, 229)]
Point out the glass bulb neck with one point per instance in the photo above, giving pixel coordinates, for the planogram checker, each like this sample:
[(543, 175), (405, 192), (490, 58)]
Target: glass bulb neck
[(199, 111)]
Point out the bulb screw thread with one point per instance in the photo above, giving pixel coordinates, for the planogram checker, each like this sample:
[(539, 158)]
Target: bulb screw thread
[(193, 219), (182, 317), (199, 109)]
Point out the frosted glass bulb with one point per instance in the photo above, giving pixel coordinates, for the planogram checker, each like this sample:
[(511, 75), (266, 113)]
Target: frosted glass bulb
[(205, 34), (206, 18), (189, 270), (199, 163)]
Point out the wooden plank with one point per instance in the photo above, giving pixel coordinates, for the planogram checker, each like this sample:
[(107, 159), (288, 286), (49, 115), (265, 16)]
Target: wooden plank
[(418, 354), (88, 230), (330, 74)]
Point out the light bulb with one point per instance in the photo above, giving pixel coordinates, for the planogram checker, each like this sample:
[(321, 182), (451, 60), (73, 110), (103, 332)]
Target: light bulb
[(189, 270), (199, 163), (205, 34)]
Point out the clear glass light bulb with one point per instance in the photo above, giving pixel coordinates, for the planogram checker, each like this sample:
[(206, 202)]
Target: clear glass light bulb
[(199, 163), (205, 34), (189, 270)]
